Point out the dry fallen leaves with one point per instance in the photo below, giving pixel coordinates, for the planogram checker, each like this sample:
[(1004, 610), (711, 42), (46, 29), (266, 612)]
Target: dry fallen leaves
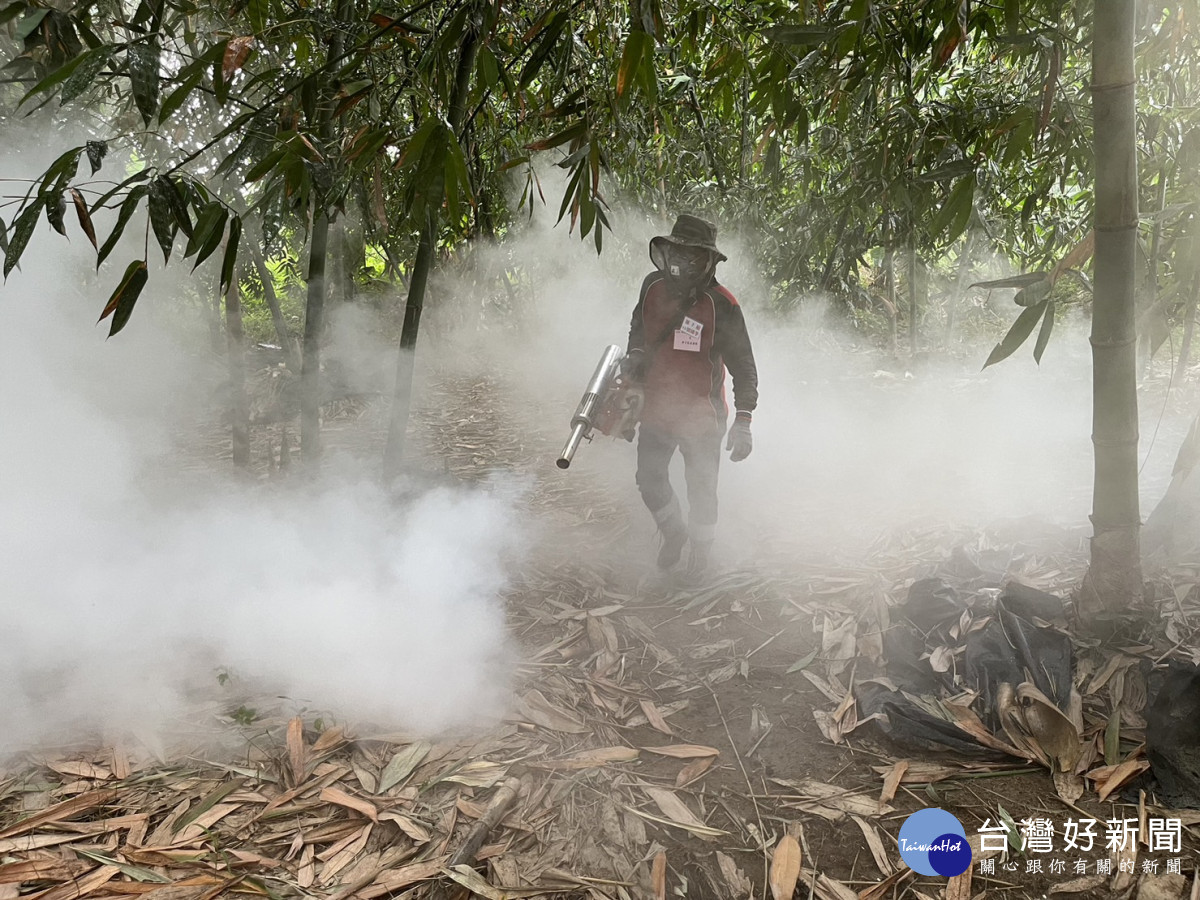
[(959, 887), (740, 886), (683, 751), (875, 845), (402, 765), (655, 716), (341, 798), (540, 711), (594, 759), (318, 812), (1110, 778), (693, 770), (830, 801), (296, 753), (678, 813), (785, 868), (892, 781), (887, 887), (658, 875)]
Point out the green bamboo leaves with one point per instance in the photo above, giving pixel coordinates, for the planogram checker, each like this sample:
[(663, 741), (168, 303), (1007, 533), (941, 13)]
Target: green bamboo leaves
[(128, 206), (142, 61), (85, 217), (1034, 296), (167, 210), (22, 231), (798, 35), (96, 151), (954, 215), (231, 249), (582, 196), (209, 229), (120, 304), (637, 65), (162, 219), (75, 77), (546, 38), (1021, 329), (440, 170)]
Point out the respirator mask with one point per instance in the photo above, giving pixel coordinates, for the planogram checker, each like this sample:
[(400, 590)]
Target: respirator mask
[(684, 265)]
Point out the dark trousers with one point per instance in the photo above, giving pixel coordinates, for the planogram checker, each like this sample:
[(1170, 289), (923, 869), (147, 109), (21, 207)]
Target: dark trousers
[(701, 460)]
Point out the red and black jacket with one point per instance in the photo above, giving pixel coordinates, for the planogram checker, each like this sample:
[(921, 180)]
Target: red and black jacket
[(685, 388)]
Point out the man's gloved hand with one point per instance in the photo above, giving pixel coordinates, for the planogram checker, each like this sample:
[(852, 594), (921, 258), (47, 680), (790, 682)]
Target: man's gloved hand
[(633, 364), (740, 440)]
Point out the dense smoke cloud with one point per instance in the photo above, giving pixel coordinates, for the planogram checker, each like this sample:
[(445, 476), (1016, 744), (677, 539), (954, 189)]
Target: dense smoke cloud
[(133, 577), (136, 572)]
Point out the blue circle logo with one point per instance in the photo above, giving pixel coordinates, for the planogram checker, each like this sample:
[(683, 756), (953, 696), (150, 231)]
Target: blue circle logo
[(933, 842)]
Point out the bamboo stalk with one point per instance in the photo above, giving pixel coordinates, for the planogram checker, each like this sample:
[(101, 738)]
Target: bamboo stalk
[(239, 405), (1114, 578), (496, 809), (314, 310), (889, 273), (393, 454), (290, 350), (314, 320)]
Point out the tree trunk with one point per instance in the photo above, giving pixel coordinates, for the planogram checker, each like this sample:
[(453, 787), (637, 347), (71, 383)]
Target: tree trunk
[(342, 264), (286, 340), (314, 323), (239, 404), (1114, 578), (393, 454), (395, 271), (314, 309), (335, 275)]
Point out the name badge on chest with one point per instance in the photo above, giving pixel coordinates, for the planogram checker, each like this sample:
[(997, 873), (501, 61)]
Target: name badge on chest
[(687, 335)]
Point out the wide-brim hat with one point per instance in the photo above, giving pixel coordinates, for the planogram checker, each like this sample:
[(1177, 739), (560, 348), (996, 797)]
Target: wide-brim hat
[(689, 231)]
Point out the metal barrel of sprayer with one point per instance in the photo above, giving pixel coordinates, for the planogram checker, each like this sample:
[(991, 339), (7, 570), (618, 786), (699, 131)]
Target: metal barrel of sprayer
[(583, 421)]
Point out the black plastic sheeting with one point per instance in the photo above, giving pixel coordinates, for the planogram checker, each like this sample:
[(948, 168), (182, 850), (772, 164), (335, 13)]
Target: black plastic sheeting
[(1173, 736), (1019, 643), (1011, 649), (907, 724)]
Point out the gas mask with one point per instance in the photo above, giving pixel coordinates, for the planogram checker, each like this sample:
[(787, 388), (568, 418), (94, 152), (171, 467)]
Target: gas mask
[(684, 265)]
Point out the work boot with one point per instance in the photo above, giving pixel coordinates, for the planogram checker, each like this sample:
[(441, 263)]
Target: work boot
[(672, 548), (698, 561), (674, 534)]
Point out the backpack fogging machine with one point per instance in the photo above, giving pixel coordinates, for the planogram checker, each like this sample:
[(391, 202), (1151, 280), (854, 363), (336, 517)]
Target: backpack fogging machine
[(611, 404)]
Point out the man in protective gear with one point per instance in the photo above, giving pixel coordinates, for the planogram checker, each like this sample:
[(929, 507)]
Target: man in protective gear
[(686, 330)]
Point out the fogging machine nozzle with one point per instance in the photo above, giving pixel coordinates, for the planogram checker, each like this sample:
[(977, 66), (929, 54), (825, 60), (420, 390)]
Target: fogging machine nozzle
[(610, 404)]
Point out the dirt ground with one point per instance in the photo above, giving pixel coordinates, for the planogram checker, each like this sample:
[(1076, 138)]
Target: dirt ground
[(668, 739)]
